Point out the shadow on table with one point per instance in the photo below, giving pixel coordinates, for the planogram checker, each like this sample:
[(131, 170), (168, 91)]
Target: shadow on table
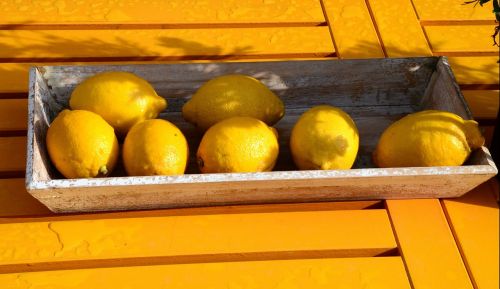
[(467, 73), (44, 46), (47, 48)]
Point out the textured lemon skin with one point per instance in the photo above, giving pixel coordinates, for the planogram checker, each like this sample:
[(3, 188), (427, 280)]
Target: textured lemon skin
[(427, 138), (229, 96), (325, 138), (121, 98), (238, 144), (81, 144), (155, 147)]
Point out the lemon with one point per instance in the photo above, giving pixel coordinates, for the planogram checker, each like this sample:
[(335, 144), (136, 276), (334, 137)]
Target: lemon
[(81, 144), (155, 147), (427, 138), (238, 144), (230, 96), (326, 138), (121, 98)]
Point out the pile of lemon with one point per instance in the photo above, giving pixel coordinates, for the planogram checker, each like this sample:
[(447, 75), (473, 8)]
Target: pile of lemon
[(236, 113)]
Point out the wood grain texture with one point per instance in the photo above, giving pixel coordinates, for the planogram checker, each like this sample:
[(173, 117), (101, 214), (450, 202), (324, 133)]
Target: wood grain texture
[(16, 201), (476, 70), (352, 29), (62, 244), (427, 245), (474, 221), (159, 12), (347, 83), (443, 83), (13, 115), (463, 38), (168, 44), (14, 80), (12, 154), (483, 103), (369, 273), (451, 10), (401, 35)]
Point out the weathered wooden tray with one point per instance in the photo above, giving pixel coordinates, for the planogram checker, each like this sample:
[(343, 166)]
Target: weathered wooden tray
[(374, 92)]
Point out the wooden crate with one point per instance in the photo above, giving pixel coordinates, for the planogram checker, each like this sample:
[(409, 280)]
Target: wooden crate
[(375, 92)]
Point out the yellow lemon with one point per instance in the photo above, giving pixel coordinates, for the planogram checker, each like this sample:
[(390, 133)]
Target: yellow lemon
[(427, 138), (238, 144), (155, 147), (326, 138), (230, 96), (121, 98), (81, 144)]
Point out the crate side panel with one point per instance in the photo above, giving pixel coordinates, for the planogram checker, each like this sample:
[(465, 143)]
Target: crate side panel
[(444, 93), (136, 195), (299, 83), (40, 116)]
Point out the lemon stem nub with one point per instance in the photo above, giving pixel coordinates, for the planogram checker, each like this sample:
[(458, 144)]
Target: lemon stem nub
[(103, 170)]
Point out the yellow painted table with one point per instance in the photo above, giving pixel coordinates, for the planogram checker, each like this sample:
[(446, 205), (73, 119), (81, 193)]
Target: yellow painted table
[(423, 244)]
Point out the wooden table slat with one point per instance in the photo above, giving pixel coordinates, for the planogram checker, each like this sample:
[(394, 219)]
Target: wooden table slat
[(71, 243), (16, 201), (163, 12), (14, 78), (13, 115), (474, 219), (169, 44), (483, 103), (443, 10), (352, 28), (427, 246), (399, 28), (368, 273), (477, 70), (12, 154), (466, 39)]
